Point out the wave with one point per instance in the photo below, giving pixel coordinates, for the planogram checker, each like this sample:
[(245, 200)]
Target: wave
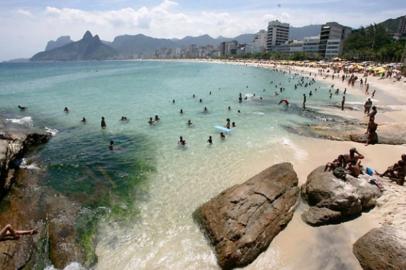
[(299, 153), (24, 165), (71, 266), (51, 131), (25, 121)]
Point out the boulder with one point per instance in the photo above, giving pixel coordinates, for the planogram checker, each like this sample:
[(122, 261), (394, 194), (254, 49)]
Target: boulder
[(382, 248), (241, 221), (334, 200)]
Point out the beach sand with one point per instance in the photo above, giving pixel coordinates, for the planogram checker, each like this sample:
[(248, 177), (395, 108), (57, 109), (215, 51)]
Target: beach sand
[(317, 249)]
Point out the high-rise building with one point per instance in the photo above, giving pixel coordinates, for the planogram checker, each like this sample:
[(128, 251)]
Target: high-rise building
[(278, 33), (259, 42), (332, 36)]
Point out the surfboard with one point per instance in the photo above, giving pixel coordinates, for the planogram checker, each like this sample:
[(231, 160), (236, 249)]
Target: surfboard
[(222, 129)]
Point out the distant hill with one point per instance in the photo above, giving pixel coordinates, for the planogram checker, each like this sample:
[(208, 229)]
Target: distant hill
[(391, 25), (88, 48), (298, 33), (61, 41), (139, 45)]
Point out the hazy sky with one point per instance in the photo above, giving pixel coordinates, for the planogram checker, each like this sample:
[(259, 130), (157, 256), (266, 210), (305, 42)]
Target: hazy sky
[(27, 25)]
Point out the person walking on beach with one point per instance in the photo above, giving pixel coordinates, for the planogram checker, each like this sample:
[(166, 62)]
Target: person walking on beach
[(342, 103), (373, 93), (103, 123), (304, 101), (367, 106)]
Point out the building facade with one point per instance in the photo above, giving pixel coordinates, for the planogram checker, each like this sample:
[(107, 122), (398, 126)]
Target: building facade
[(259, 43), (332, 37), (278, 34)]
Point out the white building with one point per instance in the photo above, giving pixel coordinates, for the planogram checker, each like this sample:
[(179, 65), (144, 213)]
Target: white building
[(259, 42), (332, 37), (278, 33)]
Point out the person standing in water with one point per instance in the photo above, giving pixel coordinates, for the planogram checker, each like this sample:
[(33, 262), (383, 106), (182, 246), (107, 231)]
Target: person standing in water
[(304, 101), (83, 120), (103, 123), (66, 110), (222, 136), (342, 103), (210, 140)]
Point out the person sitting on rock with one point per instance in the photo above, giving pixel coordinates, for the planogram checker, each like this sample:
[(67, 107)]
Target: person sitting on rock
[(353, 162), (8, 233), (338, 162), (396, 172), (372, 137)]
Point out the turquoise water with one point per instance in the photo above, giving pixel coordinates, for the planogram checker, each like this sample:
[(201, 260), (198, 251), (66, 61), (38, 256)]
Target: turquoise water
[(147, 171)]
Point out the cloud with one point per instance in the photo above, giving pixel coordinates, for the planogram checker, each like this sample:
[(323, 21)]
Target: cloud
[(25, 31), (24, 12)]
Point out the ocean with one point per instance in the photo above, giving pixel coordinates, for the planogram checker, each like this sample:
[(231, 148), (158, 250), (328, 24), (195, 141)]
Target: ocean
[(143, 192)]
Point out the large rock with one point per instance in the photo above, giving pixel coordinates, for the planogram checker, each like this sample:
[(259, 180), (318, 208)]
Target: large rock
[(333, 200), (13, 146), (382, 248), (241, 221)]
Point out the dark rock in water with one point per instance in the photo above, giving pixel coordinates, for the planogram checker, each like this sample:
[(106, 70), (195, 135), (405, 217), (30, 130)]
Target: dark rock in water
[(334, 200), (382, 248), (241, 221)]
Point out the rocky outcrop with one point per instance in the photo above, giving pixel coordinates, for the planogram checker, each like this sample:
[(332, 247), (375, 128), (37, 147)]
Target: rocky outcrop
[(382, 248), (241, 221), (333, 200), (349, 131), (13, 146)]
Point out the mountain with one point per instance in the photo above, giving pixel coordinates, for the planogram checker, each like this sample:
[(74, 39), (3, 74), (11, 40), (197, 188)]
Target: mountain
[(61, 41), (391, 25), (298, 33), (140, 45), (88, 48)]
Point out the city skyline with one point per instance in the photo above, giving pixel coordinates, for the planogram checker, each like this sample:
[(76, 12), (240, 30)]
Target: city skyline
[(27, 25)]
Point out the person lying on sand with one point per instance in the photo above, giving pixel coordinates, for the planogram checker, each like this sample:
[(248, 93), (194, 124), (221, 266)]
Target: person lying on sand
[(8, 233)]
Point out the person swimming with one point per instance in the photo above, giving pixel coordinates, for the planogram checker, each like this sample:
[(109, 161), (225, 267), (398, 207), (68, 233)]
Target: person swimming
[(229, 108), (173, 101), (124, 118), (205, 110), (189, 123), (181, 111), (111, 146), (83, 120), (103, 123), (200, 100), (66, 110), (210, 140), (233, 124), (181, 141), (194, 96), (285, 101), (222, 136), (22, 108), (157, 119), (239, 111), (150, 121)]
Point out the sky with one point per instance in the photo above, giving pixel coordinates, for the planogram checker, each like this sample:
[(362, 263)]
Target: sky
[(27, 25)]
